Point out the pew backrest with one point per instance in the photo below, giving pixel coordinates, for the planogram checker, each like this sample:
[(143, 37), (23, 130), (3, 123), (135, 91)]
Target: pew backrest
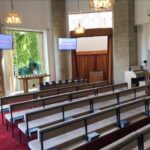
[(83, 93), (16, 98), (120, 86)]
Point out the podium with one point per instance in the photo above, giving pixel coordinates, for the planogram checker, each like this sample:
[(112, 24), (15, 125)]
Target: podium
[(96, 76), (26, 78)]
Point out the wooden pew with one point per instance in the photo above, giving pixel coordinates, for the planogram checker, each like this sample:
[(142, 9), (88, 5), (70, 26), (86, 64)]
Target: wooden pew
[(79, 129)]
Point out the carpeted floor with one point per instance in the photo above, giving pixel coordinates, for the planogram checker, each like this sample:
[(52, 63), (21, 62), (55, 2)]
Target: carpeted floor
[(7, 142)]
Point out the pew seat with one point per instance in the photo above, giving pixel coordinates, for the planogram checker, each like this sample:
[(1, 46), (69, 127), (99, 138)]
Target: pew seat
[(51, 119), (39, 122), (59, 140), (68, 140), (78, 143), (20, 114)]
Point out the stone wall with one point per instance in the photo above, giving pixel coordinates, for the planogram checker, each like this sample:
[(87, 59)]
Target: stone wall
[(125, 51), (59, 30)]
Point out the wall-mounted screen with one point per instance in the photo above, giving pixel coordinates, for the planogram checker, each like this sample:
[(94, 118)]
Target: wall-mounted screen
[(6, 42), (67, 43)]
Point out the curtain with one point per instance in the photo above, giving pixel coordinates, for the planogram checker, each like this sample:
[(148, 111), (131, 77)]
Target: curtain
[(84, 62)]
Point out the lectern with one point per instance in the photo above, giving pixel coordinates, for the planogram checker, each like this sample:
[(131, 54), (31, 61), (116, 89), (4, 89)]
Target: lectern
[(96, 76)]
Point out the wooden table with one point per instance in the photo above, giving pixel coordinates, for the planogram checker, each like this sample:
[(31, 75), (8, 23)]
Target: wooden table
[(26, 78)]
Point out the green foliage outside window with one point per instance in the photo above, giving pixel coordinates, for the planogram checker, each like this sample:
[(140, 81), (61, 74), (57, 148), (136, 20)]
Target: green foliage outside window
[(26, 53)]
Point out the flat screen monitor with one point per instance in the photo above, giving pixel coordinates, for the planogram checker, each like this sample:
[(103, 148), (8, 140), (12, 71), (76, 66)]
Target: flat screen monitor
[(6, 42), (67, 43)]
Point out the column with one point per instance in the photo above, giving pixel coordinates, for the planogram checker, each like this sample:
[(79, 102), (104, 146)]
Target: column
[(59, 26), (125, 51)]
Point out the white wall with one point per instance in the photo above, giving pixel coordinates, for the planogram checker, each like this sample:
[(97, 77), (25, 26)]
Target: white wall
[(144, 43), (72, 6), (142, 20), (142, 9), (34, 13), (97, 43)]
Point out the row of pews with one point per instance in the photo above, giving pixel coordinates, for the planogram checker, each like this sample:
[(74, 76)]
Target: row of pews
[(18, 110), (7, 100), (75, 116), (61, 83), (49, 116), (76, 131)]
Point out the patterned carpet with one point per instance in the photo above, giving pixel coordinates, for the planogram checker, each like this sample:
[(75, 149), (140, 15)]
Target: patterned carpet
[(9, 143)]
